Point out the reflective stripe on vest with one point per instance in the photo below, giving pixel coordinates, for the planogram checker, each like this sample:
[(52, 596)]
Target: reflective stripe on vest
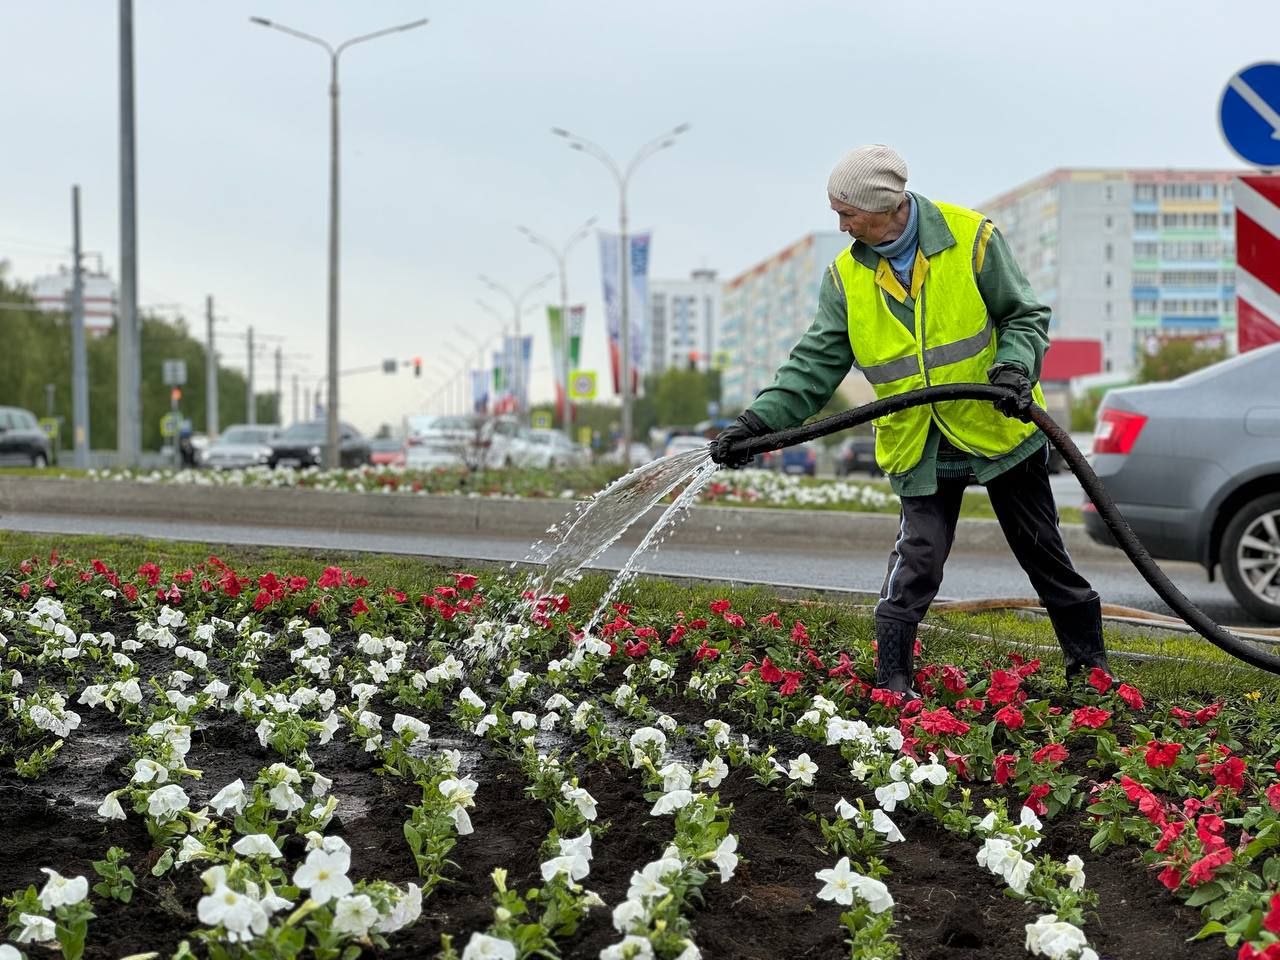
[(953, 341)]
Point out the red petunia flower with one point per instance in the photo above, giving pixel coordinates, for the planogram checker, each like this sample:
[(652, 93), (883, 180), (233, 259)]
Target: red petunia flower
[(1005, 765), (941, 721), (1160, 754), (843, 668), (677, 634), (1010, 716), (332, 577), (1035, 799), (1004, 686), (1050, 753), (972, 704), (698, 624), (1100, 680), (1271, 921), (465, 581), (1230, 773), (1202, 871), (790, 682), (953, 679), (636, 648), (1091, 717), (359, 607), (771, 619), (889, 698), (799, 633), (1171, 877), (734, 620), (150, 572), (262, 600), (1131, 696), (705, 652), (1273, 796), (1170, 833), (1205, 714), (769, 671), (720, 606)]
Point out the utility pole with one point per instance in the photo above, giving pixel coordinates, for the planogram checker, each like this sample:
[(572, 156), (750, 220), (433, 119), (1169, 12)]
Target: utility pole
[(278, 394), (307, 405), (79, 364), (251, 414), (210, 374), (295, 399), (128, 340)]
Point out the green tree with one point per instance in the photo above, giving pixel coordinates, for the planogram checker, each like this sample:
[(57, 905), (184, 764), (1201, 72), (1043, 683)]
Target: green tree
[(1178, 356)]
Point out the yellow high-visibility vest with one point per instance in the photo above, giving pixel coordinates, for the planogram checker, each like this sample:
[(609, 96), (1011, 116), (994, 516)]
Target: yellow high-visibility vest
[(954, 341)]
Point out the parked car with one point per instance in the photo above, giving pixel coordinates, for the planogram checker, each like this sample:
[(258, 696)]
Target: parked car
[(302, 445), (1194, 466), (22, 442), (548, 449), (857, 452), (683, 443), (464, 440), (640, 454), (387, 451), (801, 458), (241, 445)]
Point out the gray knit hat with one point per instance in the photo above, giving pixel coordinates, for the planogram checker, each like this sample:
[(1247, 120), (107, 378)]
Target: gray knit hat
[(871, 178)]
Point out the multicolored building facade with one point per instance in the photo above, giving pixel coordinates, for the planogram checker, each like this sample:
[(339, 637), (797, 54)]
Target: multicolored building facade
[(1127, 257)]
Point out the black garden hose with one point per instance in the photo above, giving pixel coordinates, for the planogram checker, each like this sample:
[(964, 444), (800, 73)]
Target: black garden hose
[(1124, 536)]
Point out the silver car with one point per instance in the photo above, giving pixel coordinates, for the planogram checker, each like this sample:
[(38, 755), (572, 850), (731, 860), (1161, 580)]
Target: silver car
[(242, 445), (1194, 466)]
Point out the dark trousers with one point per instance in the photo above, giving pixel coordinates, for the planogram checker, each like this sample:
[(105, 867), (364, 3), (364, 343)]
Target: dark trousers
[(1023, 503)]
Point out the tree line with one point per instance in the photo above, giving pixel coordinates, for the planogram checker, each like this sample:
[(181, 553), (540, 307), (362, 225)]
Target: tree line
[(38, 353)]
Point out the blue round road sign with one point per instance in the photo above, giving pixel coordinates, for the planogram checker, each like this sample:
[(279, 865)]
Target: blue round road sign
[(1249, 114)]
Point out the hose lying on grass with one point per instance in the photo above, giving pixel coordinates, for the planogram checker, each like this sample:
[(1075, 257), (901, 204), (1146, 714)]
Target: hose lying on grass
[(1124, 536)]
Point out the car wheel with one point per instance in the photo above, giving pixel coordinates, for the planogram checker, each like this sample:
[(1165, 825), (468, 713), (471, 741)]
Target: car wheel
[(1250, 557), (39, 461)]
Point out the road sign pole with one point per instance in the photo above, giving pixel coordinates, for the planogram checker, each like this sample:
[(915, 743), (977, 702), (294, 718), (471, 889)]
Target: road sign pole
[(79, 362)]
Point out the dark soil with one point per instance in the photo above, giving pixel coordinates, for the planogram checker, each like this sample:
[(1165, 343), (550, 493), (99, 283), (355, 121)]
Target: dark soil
[(948, 908)]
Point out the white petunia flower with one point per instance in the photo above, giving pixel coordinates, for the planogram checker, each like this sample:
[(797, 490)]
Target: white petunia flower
[(239, 914), (403, 722), (581, 799), (632, 947), (231, 796), (630, 914), (1057, 940), (675, 776), (257, 845), (324, 875), (110, 808), (725, 857), (671, 802), (36, 929), (60, 891), (889, 795), (712, 772), (481, 946), (1075, 870), (802, 769), (354, 915), (167, 802)]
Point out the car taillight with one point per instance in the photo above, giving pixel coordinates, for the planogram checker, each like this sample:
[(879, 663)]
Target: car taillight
[(1117, 431)]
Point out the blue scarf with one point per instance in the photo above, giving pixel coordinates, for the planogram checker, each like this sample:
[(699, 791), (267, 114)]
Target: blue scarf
[(901, 253)]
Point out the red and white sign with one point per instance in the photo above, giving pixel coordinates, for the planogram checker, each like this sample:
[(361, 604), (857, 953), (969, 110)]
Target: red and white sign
[(1257, 261)]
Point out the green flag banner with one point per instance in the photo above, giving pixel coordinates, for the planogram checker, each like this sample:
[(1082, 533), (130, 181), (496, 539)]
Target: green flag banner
[(555, 323), (576, 315)]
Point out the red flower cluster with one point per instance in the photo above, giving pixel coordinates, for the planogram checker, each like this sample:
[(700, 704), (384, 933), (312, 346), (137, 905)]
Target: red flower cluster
[(1051, 753), (941, 721), (1005, 687), (1090, 717), (1162, 755)]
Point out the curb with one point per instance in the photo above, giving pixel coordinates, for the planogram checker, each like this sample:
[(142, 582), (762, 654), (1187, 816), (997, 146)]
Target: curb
[(456, 515)]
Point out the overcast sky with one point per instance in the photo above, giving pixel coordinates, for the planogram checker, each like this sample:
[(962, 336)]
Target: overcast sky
[(446, 145)]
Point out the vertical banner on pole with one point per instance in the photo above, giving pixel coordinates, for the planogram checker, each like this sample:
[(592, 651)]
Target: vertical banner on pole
[(638, 306), (556, 327), (576, 317), (526, 361), (609, 266), (637, 300), (1257, 204), (480, 391)]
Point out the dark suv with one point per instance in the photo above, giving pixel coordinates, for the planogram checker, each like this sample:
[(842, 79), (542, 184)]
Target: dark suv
[(302, 445), (22, 442)]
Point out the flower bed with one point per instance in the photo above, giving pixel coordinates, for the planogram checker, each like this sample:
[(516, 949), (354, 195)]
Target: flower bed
[(201, 760)]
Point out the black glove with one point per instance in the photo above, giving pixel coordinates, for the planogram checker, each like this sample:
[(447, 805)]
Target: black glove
[(1019, 402), (744, 428)]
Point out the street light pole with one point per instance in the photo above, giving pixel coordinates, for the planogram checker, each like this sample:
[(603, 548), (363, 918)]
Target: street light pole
[(331, 450), (561, 255), (623, 178), (517, 305)]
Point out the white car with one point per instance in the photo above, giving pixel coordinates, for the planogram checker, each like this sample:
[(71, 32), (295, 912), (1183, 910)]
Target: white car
[(463, 440), (548, 449), (239, 446)]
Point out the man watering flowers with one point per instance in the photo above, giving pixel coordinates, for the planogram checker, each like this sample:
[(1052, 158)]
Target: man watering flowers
[(929, 293)]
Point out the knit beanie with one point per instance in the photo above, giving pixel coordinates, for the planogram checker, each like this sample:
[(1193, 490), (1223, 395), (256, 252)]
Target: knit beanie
[(871, 178)]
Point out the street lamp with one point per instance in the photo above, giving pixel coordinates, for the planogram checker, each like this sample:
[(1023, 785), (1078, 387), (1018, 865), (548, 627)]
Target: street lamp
[(560, 255), (517, 306), (331, 407), (623, 176)]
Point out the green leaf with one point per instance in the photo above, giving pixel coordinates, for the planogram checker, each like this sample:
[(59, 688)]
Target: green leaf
[(1209, 929), (1207, 893)]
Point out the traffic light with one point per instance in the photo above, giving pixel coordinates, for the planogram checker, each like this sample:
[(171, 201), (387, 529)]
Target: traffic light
[(175, 395), (417, 366)]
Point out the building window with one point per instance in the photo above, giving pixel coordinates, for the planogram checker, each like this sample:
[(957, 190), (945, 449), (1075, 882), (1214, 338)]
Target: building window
[(1145, 250), (1109, 221), (1109, 194), (1106, 309), (1145, 221), (1144, 192), (1108, 253), (1106, 279), (1144, 278), (1106, 338)]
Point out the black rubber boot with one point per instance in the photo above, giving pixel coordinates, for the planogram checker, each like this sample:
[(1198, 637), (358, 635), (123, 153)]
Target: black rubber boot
[(895, 657), (1079, 630)]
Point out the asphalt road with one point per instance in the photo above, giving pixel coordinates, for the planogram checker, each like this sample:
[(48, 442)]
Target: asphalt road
[(849, 566)]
